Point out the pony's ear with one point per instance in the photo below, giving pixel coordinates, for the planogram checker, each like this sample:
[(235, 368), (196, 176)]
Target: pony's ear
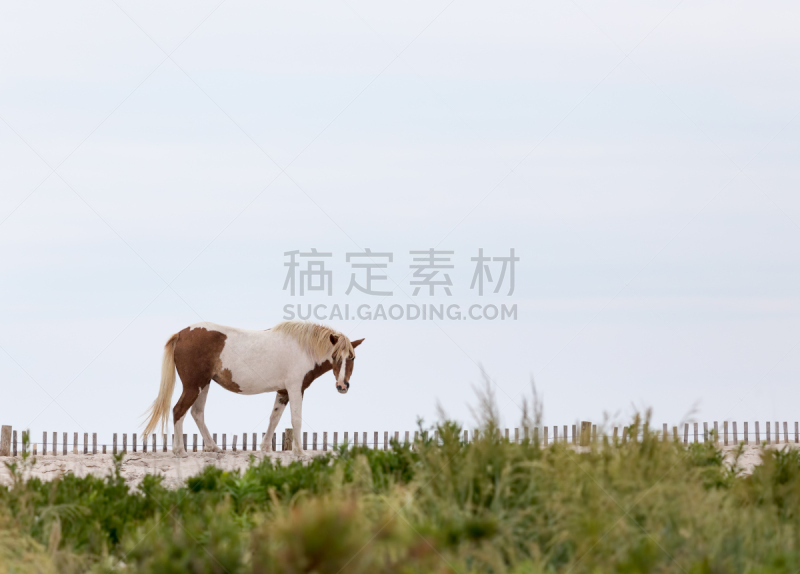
[(357, 343), (334, 339)]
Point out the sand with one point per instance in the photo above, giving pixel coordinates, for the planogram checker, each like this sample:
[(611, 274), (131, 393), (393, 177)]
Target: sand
[(136, 465), (176, 470)]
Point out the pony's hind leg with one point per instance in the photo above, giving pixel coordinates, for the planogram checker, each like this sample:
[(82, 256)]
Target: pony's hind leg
[(198, 411), (188, 397), (281, 400)]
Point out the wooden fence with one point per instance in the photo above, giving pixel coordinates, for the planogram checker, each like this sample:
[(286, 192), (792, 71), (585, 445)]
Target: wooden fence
[(581, 434)]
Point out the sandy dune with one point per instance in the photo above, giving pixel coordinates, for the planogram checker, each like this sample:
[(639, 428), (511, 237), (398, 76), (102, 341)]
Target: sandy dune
[(136, 465), (175, 470)]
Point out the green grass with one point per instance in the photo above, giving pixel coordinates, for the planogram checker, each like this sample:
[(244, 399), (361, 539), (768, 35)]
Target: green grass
[(490, 506)]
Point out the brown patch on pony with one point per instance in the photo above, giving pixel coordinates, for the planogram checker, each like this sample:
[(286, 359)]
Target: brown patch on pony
[(225, 379), (283, 397), (311, 375), (197, 359)]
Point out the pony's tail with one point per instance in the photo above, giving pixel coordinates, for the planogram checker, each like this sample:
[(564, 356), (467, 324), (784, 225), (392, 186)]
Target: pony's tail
[(159, 410)]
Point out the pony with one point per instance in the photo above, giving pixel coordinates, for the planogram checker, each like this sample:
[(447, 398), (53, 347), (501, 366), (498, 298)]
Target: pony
[(285, 359)]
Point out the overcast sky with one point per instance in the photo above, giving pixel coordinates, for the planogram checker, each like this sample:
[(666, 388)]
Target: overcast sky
[(156, 161)]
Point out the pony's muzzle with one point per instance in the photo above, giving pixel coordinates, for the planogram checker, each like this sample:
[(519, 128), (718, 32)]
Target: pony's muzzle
[(343, 388)]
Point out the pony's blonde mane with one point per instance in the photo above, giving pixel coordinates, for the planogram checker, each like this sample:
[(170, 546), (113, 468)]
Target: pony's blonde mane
[(315, 339)]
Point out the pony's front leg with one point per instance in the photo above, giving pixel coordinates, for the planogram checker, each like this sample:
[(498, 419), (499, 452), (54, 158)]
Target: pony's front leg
[(296, 400), (281, 400)]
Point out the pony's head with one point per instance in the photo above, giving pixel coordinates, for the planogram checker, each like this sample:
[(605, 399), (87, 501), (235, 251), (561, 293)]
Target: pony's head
[(343, 357)]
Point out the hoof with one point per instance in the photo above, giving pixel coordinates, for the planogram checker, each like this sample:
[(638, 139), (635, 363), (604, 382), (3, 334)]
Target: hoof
[(211, 448), (182, 454)]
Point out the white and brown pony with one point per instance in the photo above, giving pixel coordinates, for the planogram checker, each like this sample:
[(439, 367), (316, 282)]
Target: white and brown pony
[(286, 359)]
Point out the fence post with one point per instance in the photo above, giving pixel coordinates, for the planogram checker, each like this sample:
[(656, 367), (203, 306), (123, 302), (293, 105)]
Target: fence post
[(274, 441), (305, 440), (786, 432), (686, 433), (224, 441), (768, 434), (5, 440), (725, 432), (716, 433), (546, 441), (94, 443), (758, 434), (566, 433), (314, 441), (594, 433), (586, 429), (696, 440), (616, 434), (163, 442), (324, 441), (665, 433), (746, 438), (74, 443), (555, 434), (233, 448), (407, 437), (85, 442), (13, 443), (796, 432), (735, 435), (134, 442), (124, 442), (64, 443), (385, 440), (336, 439), (675, 433), (624, 434), (705, 432), (55, 443), (536, 436)]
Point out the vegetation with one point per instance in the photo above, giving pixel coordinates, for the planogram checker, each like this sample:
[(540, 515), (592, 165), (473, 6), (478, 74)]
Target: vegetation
[(490, 506)]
